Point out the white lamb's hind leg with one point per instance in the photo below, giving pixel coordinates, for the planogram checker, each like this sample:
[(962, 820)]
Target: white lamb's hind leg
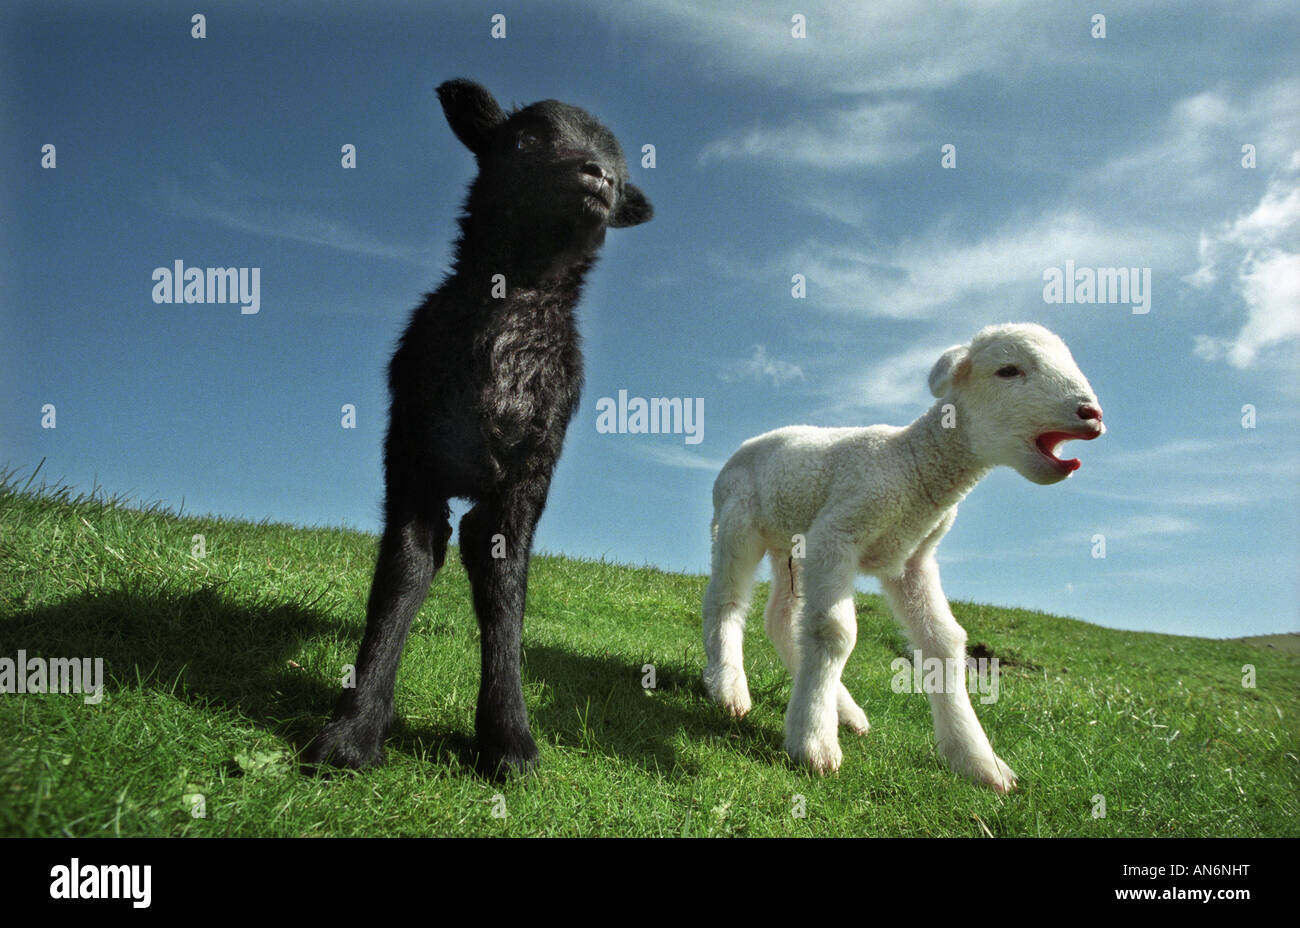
[(851, 715), (780, 620), (919, 604), (827, 631), (736, 553), (782, 604)]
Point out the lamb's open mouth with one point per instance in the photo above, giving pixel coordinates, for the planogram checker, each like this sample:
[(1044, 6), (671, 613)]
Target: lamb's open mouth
[(1049, 443)]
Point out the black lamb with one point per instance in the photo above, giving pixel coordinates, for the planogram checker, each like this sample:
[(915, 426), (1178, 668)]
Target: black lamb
[(483, 384)]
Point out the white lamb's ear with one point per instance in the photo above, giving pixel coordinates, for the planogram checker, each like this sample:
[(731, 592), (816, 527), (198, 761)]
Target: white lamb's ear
[(945, 369)]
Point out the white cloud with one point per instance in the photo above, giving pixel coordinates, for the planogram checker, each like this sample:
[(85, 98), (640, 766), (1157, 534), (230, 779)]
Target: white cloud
[(917, 279), (1263, 249), (759, 366), (1277, 213), (896, 381), (1124, 528), (1270, 287), (869, 134), (850, 48), (835, 205), (1205, 274), (1200, 137), (1147, 526)]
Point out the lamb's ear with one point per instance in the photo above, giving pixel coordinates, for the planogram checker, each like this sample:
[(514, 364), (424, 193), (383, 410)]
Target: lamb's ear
[(633, 208), (951, 365), (471, 112)]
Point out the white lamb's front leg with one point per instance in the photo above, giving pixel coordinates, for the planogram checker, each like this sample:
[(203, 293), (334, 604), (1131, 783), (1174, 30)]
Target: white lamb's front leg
[(827, 632), (919, 604), (782, 606)]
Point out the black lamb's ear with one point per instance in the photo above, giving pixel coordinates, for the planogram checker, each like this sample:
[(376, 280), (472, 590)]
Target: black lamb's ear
[(633, 208), (472, 112)]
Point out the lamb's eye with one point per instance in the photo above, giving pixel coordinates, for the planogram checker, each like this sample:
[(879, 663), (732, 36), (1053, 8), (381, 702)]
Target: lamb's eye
[(525, 141), (1009, 371)]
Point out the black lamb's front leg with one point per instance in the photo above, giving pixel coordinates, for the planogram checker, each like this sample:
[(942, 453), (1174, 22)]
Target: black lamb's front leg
[(411, 552), (495, 540)]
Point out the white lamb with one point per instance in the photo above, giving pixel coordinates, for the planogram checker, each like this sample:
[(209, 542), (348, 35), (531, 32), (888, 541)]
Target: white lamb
[(877, 500)]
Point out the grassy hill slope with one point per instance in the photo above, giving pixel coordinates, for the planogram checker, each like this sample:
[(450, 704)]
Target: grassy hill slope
[(219, 668)]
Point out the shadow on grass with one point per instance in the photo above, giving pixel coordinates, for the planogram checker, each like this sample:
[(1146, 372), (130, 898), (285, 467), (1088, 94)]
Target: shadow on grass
[(598, 704), (200, 647), (211, 652)]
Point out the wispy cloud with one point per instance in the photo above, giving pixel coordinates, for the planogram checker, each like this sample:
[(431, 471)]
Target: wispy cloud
[(760, 366), (866, 135), (677, 456), (849, 48), (1146, 529), (896, 382), (1195, 498), (1247, 472), (916, 279), (1147, 526), (1179, 448), (240, 209), (1199, 136)]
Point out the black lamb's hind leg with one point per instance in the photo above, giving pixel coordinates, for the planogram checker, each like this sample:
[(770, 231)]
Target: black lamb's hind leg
[(495, 539), (411, 552)]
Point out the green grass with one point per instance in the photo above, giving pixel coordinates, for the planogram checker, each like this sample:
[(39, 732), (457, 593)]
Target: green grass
[(220, 668)]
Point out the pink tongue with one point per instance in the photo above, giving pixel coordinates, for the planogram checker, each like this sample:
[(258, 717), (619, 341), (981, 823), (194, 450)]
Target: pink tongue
[(1049, 441)]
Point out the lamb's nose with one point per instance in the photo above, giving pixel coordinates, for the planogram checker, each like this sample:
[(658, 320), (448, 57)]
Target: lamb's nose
[(596, 171), (1088, 411)]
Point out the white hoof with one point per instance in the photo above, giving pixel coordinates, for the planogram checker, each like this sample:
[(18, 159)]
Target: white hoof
[(820, 757), (987, 770), (728, 687), (999, 776), (850, 713), (819, 752)]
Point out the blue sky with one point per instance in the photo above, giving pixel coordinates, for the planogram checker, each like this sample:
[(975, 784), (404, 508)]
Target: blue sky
[(775, 156)]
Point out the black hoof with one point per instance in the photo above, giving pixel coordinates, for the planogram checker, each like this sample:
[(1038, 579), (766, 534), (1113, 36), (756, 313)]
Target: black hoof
[(503, 762), (346, 744)]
